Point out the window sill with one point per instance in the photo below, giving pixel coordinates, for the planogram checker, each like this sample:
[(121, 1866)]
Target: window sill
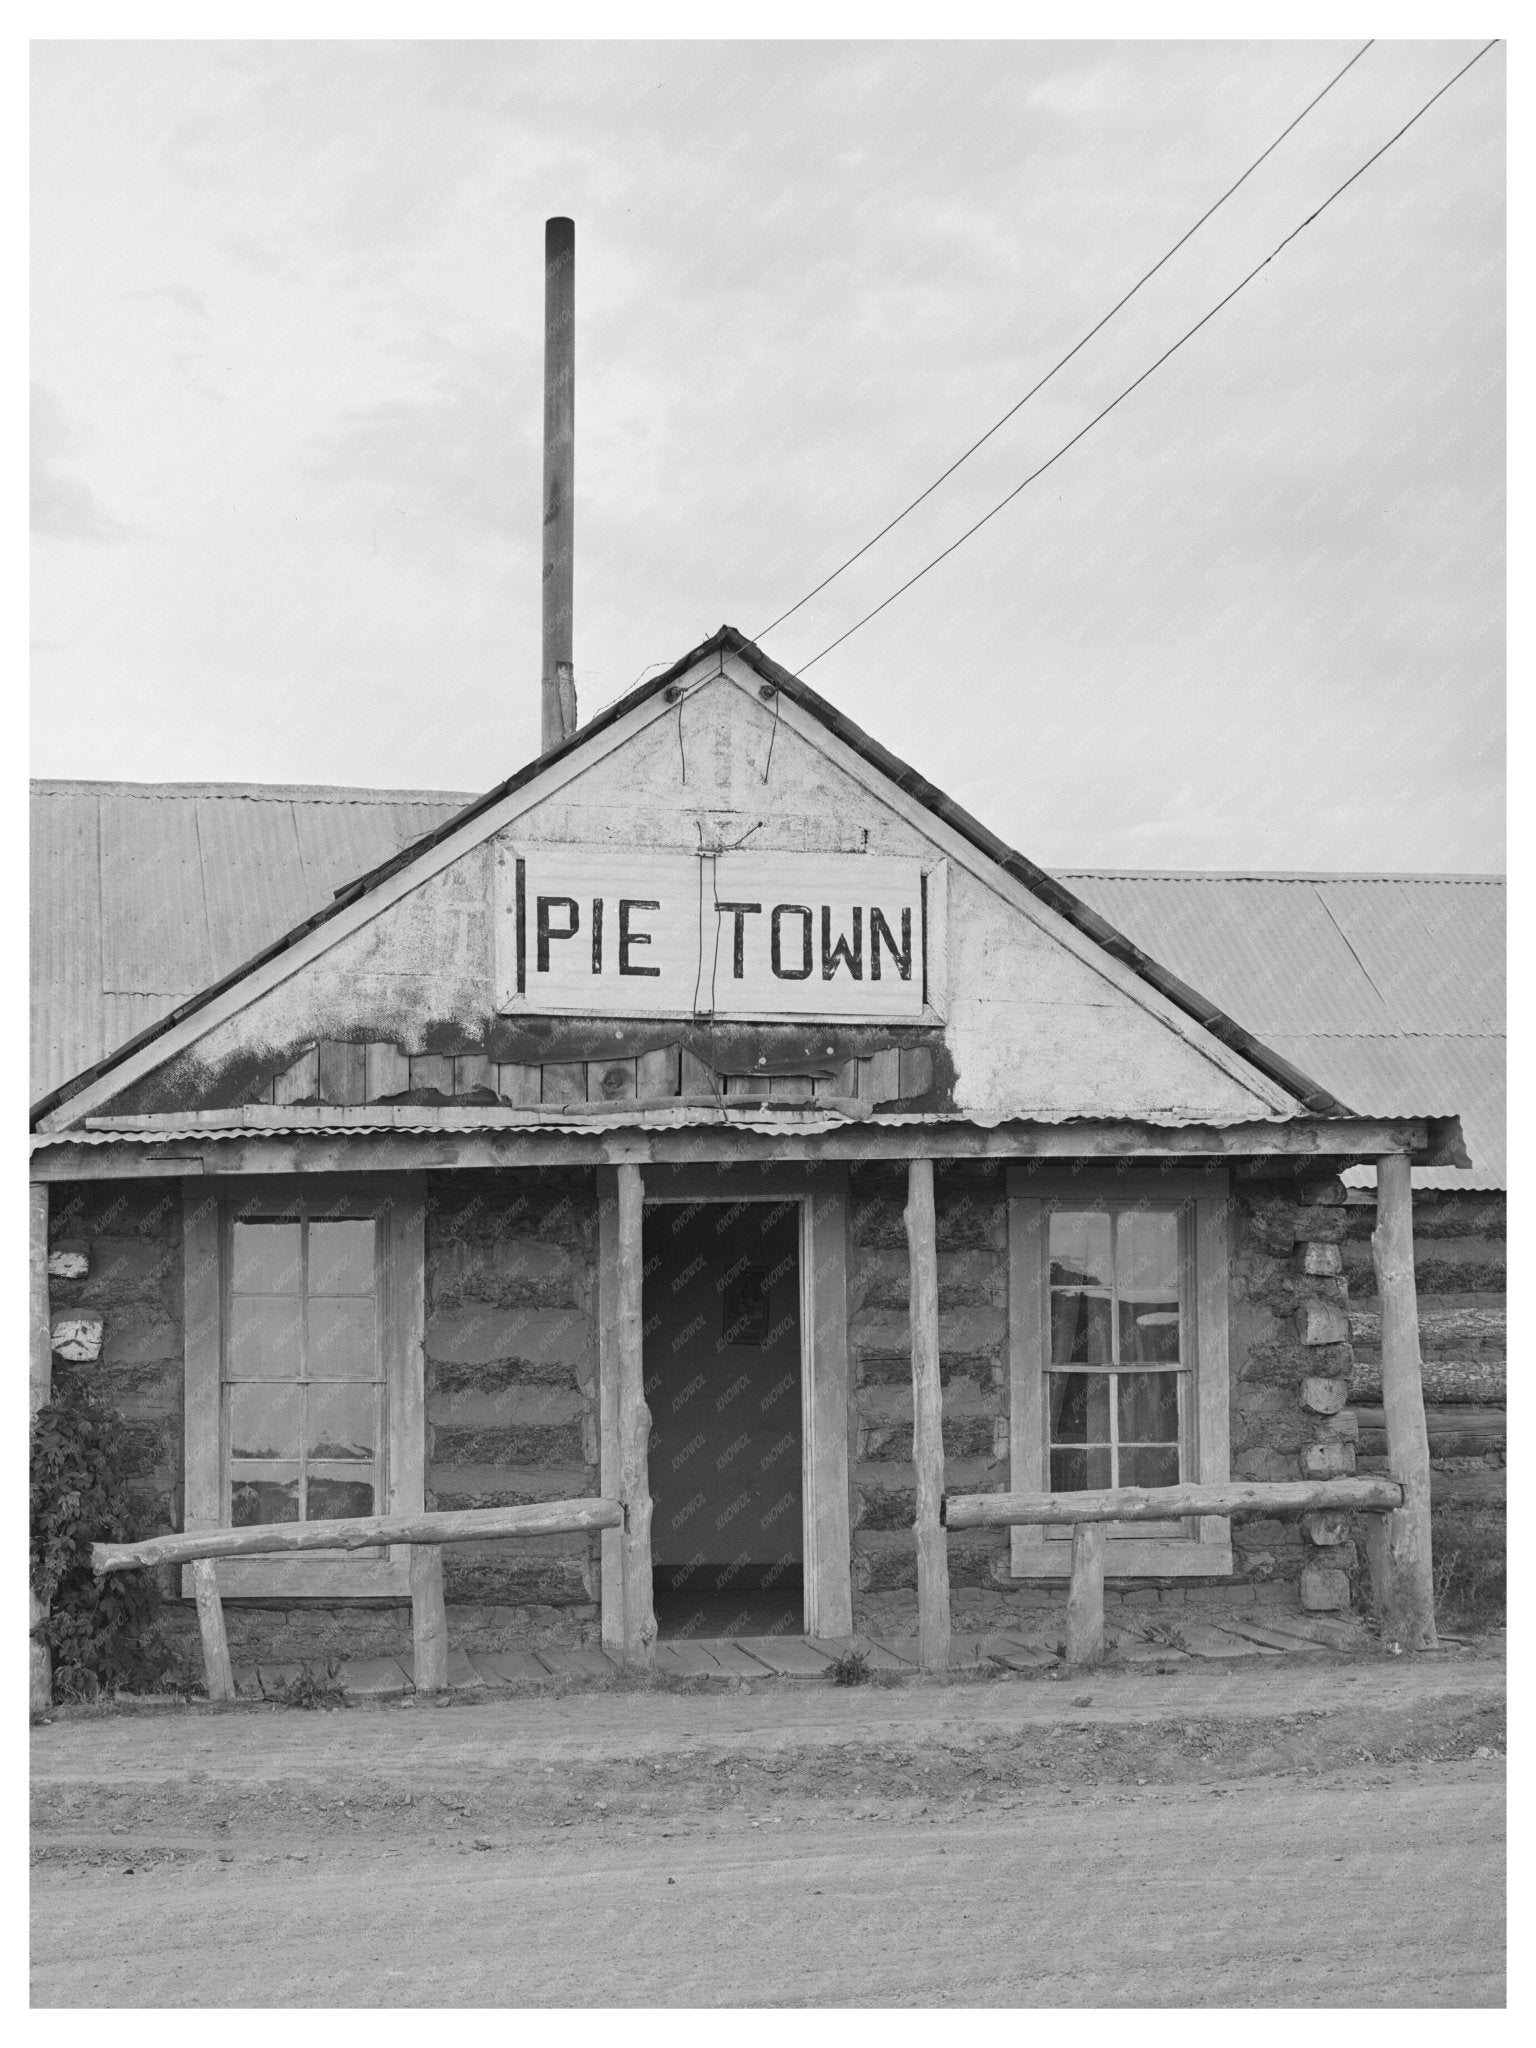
[(1124, 1559), (312, 1577)]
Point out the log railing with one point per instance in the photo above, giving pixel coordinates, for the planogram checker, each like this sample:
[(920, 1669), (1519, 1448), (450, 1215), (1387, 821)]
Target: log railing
[(425, 1533), (1086, 1513)]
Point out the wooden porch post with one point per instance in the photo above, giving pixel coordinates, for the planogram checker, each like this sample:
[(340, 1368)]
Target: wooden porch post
[(634, 1429), (218, 1676), (429, 1619), (927, 1421), (1085, 1595), (40, 1683), (1401, 1556)]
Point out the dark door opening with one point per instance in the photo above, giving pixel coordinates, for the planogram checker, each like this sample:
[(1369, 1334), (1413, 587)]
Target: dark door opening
[(722, 1380)]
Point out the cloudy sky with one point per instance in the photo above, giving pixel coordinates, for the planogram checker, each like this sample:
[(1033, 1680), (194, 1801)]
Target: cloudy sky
[(287, 341)]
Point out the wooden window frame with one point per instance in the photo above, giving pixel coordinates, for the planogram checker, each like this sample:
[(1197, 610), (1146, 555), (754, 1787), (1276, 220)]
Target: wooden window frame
[(399, 1207), (1206, 1550), (825, 1411)]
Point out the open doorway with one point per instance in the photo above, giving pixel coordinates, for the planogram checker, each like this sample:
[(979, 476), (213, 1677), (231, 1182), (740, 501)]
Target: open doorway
[(722, 1381)]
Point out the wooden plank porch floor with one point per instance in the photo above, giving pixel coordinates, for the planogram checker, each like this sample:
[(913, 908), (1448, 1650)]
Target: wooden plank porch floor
[(1140, 1645)]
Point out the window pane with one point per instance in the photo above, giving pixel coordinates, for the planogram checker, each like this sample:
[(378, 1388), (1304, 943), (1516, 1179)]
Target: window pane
[(1080, 1408), (1158, 1466), (331, 1499), (341, 1257), (1080, 1329), (264, 1420), (266, 1259), (263, 1500), (341, 1422), (1147, 1251), (1072, 1471), (341, 1340), (264, 1337), (1149, 1407), (1080, 1253), (1149, 1333)]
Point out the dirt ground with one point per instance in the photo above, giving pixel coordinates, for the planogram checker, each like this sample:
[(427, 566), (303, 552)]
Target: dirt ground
[(1300, 1832)]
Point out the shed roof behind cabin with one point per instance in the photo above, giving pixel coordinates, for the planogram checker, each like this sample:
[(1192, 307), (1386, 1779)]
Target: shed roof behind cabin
[(1387, 988)]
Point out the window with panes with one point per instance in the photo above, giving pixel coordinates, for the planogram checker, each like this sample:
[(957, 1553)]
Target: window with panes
[(1118, 1372), (304, 1420)]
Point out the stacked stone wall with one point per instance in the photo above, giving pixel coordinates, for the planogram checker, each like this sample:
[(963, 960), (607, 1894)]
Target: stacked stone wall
[(115, 1303), (1291, 1361)]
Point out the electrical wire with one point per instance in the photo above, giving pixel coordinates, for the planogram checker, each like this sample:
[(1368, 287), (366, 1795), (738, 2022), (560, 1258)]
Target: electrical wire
[(1146, 278), (1188, 335)]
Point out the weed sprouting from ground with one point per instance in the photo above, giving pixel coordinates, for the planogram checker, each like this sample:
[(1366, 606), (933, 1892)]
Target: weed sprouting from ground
[(851, 1668), (310, 1692), (1469, 1564)]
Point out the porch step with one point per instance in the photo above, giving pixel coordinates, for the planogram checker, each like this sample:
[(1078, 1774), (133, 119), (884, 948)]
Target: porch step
[(510, 1667), (576, 1661), (463, 1673), (786, 1656), (368, 1678), (754, 1658)]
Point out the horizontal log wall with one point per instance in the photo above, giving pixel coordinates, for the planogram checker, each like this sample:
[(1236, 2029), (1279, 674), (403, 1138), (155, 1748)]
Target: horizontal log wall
[(511, 1385), (511, 1398), (972, 1236), (1459, 1258)]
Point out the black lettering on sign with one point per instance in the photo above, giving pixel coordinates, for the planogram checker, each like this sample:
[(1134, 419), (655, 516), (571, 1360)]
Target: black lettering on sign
[(831, 955), (776, 943), (597, 934), (902, 954), (546, 931), (627, 938), (521, 921), (741, 912)]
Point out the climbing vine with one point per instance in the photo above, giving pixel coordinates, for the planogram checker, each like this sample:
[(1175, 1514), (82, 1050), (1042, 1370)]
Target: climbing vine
[(103, 1633)]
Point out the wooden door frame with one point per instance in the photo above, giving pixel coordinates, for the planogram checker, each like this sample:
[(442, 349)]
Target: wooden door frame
[(822, 1195)]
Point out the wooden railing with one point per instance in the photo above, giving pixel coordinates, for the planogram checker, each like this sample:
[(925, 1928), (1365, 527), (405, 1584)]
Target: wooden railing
[(425, 1533), (1086, 1514)]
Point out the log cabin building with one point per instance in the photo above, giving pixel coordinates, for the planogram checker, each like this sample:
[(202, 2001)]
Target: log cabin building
[(337, 1090)]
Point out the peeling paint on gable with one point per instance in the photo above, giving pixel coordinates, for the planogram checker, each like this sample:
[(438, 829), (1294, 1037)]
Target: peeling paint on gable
[(1040, 1022)]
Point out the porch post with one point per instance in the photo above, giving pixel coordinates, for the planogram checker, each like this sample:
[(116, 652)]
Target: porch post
[(927, 1421), (634, 1429), (40, 1683), (1401, 1556)]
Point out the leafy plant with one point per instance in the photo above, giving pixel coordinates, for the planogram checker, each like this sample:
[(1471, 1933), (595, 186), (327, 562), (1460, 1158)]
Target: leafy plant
[(306, 1690), (1468, 1544), (103, 1633), (851, 1668)]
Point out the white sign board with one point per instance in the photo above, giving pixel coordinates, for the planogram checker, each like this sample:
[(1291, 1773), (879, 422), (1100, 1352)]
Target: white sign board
[(588, 931)]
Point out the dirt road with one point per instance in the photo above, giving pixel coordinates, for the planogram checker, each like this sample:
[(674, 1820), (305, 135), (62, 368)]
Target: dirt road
[(1292, 1835)]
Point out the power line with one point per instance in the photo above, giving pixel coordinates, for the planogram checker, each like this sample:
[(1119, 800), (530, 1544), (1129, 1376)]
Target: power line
[(1071, 352), (1189, 333)]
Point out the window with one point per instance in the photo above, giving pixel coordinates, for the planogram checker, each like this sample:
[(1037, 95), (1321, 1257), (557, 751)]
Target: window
[(304, 1374), (1116, 1286), (1118, 1355), (303, 1369)]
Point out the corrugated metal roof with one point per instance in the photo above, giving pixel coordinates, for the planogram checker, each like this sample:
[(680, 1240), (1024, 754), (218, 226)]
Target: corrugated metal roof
[(1388, 988), (193, 1126), (143, 893)]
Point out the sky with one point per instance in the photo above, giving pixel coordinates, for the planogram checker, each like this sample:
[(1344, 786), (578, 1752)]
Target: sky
[(287, 335)]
